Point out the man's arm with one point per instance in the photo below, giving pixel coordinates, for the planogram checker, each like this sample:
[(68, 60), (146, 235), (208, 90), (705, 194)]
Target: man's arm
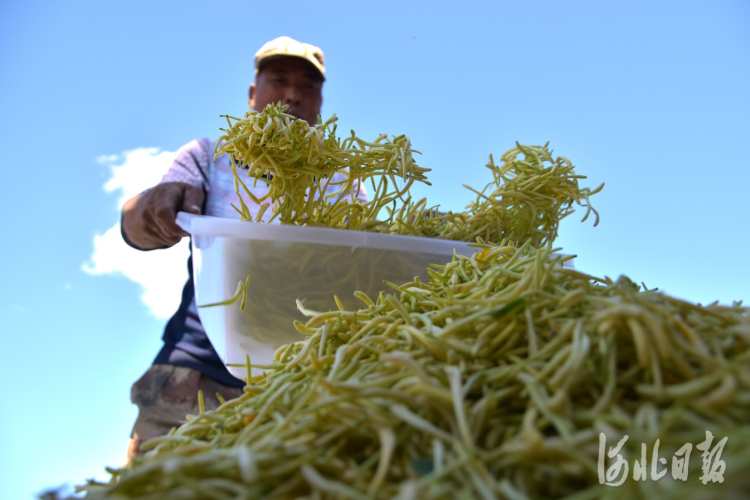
[(148, 219)]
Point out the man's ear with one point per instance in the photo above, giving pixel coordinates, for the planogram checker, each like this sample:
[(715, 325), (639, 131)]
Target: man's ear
[(251, 95)]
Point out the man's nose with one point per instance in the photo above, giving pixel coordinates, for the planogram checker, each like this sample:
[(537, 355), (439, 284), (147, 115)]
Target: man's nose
[(292, 95)]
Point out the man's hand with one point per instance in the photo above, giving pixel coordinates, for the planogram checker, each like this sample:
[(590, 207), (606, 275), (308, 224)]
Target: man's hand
[(148, 220)]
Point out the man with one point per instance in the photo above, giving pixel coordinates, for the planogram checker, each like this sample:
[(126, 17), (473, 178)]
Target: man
[(286, 71)]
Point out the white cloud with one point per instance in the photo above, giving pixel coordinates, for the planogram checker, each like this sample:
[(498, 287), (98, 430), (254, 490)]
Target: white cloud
[(107, 159), (140, 169), (160, 273)]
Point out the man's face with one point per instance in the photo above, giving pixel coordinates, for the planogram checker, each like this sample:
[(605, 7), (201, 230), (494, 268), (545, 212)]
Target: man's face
[(291, 81)]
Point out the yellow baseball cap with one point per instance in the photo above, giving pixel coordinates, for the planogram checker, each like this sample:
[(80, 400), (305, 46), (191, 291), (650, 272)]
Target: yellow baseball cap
[(288, 47)]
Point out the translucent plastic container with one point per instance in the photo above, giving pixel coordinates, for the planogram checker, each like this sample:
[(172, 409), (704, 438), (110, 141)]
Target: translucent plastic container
[(286, 263)]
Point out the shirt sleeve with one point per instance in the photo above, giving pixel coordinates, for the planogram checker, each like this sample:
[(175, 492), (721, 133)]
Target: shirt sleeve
[(192, 164)]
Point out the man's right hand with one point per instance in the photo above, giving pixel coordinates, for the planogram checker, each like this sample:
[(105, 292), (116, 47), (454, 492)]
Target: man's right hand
[(148, 219)]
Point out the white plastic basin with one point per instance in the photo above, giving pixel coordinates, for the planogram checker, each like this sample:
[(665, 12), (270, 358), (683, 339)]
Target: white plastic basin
[(286, 263)]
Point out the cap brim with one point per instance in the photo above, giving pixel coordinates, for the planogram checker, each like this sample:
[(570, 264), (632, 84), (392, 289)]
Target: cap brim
[(275, 57)]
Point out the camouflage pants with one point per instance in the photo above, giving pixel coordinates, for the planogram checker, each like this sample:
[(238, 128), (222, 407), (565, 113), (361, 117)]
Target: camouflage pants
[(165, 394)]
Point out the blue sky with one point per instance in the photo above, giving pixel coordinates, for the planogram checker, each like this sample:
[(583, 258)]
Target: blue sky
[(649, 97)]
